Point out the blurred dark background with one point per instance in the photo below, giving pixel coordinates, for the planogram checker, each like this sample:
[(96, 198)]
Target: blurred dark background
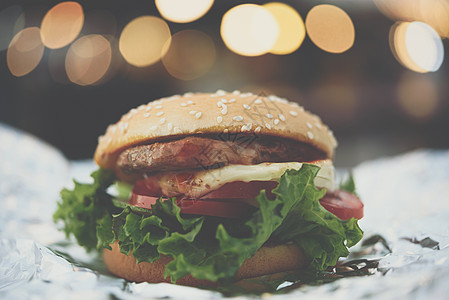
[(375, 105)]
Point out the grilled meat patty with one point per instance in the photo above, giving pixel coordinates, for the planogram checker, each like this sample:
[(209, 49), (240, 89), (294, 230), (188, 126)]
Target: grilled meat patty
[(205, 153)]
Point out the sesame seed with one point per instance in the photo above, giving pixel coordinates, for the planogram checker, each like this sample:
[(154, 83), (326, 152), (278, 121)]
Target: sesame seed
[(224, 100), (183, 104), (318, 125), (162, 121), (309, 125), (236, 92), (169, 126), (232, 101), (246, 106), (153, 128), (250, 125), (133, 111), (128, 116), (244, 128), (269, 116), (177, 130), (146, 115), (160, 113), (220, 92), (188, 94), (219, 119), (198, 115), (258, 101), (219, 103), (310, 134), (257, 129), (225, 130), (293, 113), (159, 106), (192, 112), (213, 95), (238, 118), (100, 138), (268, 126), (148, 108), (244, 95), (224, 109), (141, 107), (281, 116), (190, 102), (276, 121)]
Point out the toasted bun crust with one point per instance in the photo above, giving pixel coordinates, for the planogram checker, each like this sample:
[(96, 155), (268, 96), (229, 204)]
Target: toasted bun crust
[(179, 116), (267, 260)]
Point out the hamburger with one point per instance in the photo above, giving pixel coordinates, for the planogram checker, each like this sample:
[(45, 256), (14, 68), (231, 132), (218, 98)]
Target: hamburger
[(201, 189)]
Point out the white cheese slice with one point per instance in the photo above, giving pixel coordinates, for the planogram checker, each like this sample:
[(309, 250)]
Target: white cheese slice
[(205, 181)]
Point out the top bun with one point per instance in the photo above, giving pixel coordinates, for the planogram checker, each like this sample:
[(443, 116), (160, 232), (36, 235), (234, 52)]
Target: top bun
[(201, 113)]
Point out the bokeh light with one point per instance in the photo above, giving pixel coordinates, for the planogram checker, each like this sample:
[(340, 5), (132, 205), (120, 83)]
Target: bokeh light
[(142, 40), (330, 28), (62, 24), (191, 55), (424, 45), (292, 30), (249, 29), (25, 51), (88, 59), (418, 96), (183, 11), (12, 20), (399, 47), (417, 46)]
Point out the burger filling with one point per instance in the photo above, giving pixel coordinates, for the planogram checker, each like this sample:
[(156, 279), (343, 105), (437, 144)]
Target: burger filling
[(222, 176), (197, 152), (210, 203)]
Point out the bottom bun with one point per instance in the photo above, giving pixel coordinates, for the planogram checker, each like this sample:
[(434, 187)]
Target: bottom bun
[(267, 260)]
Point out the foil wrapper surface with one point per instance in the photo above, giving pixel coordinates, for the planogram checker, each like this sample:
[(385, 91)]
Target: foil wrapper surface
[(404, 253)]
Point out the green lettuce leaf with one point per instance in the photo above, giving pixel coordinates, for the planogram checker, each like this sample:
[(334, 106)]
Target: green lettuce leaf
[(323, 237), (82, 208), (207, 247)]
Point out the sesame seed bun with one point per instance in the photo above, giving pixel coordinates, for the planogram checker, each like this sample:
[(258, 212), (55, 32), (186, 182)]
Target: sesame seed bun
[(202, 113), (267, 260)]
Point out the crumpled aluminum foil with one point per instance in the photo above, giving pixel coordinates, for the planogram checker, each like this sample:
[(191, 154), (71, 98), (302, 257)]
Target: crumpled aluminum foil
[(406, 205)]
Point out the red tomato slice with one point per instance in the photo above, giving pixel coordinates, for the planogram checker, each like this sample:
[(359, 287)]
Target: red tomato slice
[(240, 189), (343, 204), (142, 201), (217, 207), (235, 208), (229, 201)]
